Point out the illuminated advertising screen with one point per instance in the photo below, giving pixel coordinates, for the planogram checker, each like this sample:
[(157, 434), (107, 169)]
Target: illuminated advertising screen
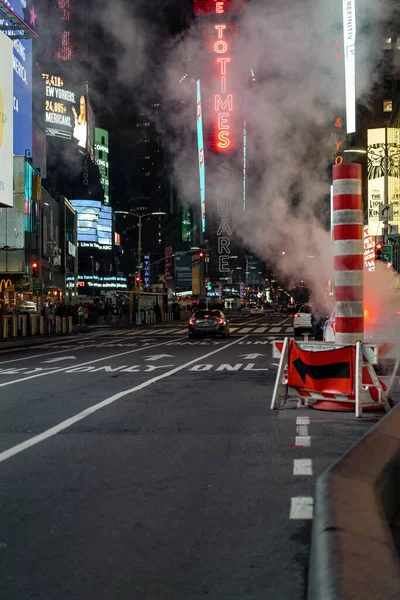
[(22, 62), (378, 142), (94, 224), (101, 158), (68, 114), (200, 146), (6, 121), (218, 7), (349, 35)]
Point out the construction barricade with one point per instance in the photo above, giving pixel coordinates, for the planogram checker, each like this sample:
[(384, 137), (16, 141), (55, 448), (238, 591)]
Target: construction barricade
[(328, 376)]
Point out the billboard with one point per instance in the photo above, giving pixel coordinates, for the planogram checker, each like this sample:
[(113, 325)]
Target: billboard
[(94, 224), (382, 143), (183, 271), (68, 113), (349, 35), (200, 146), (22, 64), (6, 121), (101, 158)]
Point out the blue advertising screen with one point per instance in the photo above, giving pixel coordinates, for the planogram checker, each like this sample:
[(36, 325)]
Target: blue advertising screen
[(94, 223), (22, 59)]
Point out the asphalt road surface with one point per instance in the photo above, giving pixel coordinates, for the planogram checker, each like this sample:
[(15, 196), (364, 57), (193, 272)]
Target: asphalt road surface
[(139, 465)]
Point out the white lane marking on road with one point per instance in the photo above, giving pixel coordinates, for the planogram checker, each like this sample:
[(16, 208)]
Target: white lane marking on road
[(251, 356), (301, 507), (302, 430), (231, 329), (90, 362), (59, 359), (158, 356), (282, 322), (12, 360), (260, 329), (275, 329), (245, 329), (303, 421), (302, 466), (289, 330), (6, 454), (303, 440)]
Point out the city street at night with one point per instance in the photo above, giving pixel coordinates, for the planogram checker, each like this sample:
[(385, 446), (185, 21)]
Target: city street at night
[(140, 464)]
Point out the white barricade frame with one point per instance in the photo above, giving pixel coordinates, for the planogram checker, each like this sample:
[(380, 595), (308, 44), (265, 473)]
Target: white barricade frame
[(366, 356)]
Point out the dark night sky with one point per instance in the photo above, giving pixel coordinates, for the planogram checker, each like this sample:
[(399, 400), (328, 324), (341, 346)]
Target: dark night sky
[(116, 104)]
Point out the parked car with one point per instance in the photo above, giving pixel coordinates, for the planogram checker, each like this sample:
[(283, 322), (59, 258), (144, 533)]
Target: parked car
[(302, 320), (208, 322), (254, 309)]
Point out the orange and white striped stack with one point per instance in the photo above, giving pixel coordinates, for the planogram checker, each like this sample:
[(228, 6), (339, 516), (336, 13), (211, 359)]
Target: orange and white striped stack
[(348, 252)]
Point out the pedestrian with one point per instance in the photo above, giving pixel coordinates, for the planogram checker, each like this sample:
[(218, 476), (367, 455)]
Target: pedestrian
[(81, 316), (49, 318), (157, 312)]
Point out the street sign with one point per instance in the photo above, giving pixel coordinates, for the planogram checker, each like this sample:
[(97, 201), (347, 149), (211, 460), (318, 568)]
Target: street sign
[(385, 212), (387, 253), (37, 286)]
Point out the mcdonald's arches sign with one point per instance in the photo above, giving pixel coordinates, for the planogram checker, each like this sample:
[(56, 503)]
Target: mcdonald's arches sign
[(5, 284)]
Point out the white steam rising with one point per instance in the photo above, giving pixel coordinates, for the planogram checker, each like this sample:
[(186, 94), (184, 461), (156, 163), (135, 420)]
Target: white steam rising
[(290, 109)]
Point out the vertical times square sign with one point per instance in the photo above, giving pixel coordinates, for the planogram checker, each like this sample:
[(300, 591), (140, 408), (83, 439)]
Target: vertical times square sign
[(223, 116)]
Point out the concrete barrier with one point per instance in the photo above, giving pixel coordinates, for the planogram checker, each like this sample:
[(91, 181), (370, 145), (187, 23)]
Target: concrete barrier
[(22, 325), (33, 324), (353, 554)]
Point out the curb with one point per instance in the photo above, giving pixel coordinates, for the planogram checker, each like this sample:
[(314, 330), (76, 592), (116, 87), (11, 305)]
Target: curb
[(353, 554)]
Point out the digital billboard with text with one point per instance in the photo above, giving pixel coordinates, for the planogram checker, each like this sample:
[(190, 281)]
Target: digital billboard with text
[(94, 224), (68, 112), (22, 63), (6, 121)]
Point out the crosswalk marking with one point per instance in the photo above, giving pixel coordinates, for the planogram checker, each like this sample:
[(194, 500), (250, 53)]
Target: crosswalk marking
[(182, 330)]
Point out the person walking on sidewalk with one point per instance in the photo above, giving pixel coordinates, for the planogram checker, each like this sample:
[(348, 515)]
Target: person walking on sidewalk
[(49, 318), (81, 317)]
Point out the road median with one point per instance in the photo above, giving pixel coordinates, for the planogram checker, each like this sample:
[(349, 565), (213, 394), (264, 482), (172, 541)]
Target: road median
[(353, 553)]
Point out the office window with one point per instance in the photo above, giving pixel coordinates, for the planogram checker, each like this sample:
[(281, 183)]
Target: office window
[(387, 43)]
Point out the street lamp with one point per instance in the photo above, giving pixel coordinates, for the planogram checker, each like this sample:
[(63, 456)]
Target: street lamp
[(140, 217)]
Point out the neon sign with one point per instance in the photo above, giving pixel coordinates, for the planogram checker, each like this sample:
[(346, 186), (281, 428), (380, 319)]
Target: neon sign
[(223, 98), (218, 7)]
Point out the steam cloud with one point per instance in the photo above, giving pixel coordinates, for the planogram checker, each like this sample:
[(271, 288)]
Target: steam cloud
[(290, 114)]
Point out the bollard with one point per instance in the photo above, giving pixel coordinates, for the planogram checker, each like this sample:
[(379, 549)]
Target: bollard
[(58, 324), (348, 252), (5, 328), (14, 326), (33, 322), (64, 324), (23, 325), (41, 325)]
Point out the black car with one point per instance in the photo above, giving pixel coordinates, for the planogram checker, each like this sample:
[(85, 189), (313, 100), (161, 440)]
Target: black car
[(208, 322)]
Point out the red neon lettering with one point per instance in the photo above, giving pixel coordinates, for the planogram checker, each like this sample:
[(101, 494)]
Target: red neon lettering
[(227, 104), (220, 29), (339, 160), (223, 120), (219, 8), (223, 84), (198, 110), (337, 55), (338, 144), (223, 61), (224, 141), (220, 47)]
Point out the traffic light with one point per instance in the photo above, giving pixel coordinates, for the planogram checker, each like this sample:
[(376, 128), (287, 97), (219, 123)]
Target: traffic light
[(378, 251), (35, 270), (137, 279), (201, 254)]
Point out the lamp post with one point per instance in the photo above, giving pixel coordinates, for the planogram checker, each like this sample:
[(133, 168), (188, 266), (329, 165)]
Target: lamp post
[(139, 217)]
